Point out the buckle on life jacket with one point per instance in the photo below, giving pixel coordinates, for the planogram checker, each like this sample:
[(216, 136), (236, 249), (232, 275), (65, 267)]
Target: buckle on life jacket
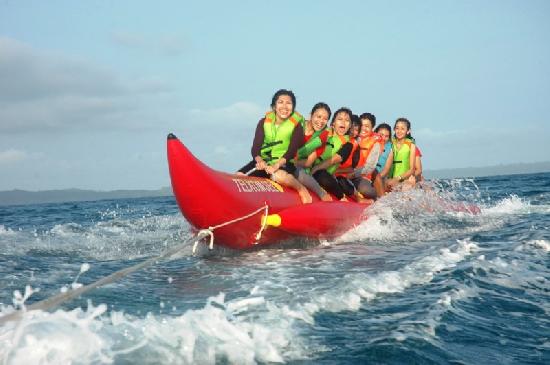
[(270, 144)]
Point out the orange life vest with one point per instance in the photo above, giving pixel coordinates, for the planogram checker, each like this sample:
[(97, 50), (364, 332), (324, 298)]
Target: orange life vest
[(366, 146)]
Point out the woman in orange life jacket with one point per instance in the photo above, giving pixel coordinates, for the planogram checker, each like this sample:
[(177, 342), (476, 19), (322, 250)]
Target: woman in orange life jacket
[(359, 168), (277, 139), (315, 138), (338, 149), (402, 157)]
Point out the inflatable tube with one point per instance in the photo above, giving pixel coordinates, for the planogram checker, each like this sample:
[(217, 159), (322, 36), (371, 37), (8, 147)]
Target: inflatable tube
[(210, 198)]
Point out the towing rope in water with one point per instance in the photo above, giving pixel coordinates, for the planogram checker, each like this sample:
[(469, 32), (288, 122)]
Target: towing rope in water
[(56, 300), (210, 230)]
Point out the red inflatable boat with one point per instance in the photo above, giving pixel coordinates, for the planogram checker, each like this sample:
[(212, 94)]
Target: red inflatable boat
[(244, 211)]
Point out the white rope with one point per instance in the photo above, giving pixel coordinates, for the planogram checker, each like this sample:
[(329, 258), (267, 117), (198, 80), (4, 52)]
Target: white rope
[(60, 298), (264, 224), (210, 230), (56, 300)]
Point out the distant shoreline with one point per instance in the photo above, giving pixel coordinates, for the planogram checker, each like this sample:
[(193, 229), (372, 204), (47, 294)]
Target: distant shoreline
[(510, 169), (25, 197)]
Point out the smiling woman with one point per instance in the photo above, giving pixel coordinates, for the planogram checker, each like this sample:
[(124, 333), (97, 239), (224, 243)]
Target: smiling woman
[(277, 139), (338, 149)]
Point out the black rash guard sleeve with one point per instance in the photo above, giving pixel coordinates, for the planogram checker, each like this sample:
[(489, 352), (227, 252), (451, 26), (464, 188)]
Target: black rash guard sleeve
[(345, 151), (259, 136), (355, 158), (296, 141)]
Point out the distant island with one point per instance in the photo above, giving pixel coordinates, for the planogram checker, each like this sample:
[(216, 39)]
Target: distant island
[(510, 169), (20, 197)]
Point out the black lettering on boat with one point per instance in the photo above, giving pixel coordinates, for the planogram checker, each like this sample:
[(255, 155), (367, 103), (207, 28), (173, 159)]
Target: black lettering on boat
[(250, 186)]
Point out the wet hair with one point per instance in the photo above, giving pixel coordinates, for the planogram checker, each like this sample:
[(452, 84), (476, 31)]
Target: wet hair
[(342, 110), (408, 124), (403, 120), (355, 121), (280, 93), (370, 117), (383, 126), (321, 105)]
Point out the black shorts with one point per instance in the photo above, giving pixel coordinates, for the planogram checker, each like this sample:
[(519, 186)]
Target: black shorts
[(288, 167)]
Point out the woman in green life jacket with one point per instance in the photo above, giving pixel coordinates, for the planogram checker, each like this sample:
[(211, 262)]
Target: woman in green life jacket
[(315, 137), (403, 156), (337, 149), (277, 139)]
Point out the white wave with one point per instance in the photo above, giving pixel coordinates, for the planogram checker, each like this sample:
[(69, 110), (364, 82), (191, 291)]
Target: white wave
[(417, 216), (425, 326), (380, 225), (62, 337), (244, 330), (350, 292), (525, 268), (6, 231), (113, 239), (543, 245), (510, 205), (199, 336)]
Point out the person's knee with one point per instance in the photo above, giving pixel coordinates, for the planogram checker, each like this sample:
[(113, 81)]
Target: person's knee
[(279, 176)]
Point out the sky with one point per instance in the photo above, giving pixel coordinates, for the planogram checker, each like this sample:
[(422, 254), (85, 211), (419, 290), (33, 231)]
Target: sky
[(89, 90)]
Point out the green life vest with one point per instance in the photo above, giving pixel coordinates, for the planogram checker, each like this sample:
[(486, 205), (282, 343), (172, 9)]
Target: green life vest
[(401, 158), (311, 145), (277, 137), (334, 143)]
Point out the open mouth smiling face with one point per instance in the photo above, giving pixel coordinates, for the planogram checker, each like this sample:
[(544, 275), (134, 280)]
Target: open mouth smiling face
[(319, 119), (283, 107), (342, 123)]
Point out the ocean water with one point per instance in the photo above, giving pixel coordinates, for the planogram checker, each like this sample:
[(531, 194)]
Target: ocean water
[(415, 283)]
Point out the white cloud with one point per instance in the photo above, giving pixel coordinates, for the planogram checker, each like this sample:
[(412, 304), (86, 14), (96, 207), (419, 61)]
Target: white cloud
[(47, 91), (164, 44), (29, 73), (239, 114), (12, 156)]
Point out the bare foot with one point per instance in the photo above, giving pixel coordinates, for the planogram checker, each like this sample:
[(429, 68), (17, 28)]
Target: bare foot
[(326, 198), (240, 173), (305, 196), (364, 201), (344, 199)]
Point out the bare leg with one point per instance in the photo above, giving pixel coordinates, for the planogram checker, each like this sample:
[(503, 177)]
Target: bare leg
[(284, 178), (365, 187), (378, 185), (308, 181)]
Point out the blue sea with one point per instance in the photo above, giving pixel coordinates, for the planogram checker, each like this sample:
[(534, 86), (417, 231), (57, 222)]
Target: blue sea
[(415, 283)]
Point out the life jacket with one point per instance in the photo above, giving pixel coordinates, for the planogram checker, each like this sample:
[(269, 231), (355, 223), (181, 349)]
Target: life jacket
[(349, 161), (366, 146), (401, 157), (277, 137), (333, 145), (360, 153), (312, 143), (383, 157)]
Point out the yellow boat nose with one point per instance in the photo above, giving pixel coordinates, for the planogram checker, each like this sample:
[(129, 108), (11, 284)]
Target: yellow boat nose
[(273, 220)]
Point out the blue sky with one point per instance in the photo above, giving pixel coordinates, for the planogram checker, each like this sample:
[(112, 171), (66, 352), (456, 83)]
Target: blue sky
[(89, 90)]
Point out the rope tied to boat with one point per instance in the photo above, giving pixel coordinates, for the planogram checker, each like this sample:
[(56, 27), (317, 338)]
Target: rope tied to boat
[(210, 230)]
